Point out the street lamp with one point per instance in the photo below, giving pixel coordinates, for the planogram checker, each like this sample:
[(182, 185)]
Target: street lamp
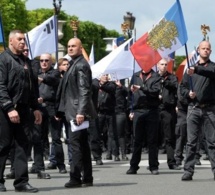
[(57, 6), (128, 25), (74, 25)]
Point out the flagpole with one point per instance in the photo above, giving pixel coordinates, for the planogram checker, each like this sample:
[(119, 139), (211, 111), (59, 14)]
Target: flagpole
[(188, 65), (57, 11), (2, 31), (132, 97), (29, 46)]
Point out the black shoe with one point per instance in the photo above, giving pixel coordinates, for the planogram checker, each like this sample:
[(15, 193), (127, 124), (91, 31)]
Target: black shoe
[(155, 172), (125, 158), (46, 157), (128, 151), (51, 166), (178, 162), (2, 188), (10, 175), (30, 159), (73, 184), (131, 171), (33, 170), (162, 151), (26, 188), (8, 162), (116, 158), (108, 157), (187, 177), (43, 175), (206, 157), (174, 167), (198, 162), (87, 183), (99, 162), (62, 171)]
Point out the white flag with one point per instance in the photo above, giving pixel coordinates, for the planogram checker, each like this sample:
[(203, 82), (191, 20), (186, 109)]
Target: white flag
[(193, 59), (119, 63), (42, 39), (91, 57)]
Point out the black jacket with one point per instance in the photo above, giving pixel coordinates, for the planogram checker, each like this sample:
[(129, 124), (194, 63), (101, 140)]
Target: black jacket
[(203, 82), (121, 99), (74, 92), (106, 98), (147, 95), (48, 88), (12, 81), (169, 85)]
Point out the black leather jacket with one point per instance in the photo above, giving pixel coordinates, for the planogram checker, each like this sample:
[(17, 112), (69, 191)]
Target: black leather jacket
[(147, 95), (48, 88), (12, 81)]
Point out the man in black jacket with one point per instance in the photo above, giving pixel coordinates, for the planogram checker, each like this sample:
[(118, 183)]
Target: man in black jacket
[(17, 96), (201, 108), (107, 116), (76, 102), (49, 79), (167, 112), (144, 102)]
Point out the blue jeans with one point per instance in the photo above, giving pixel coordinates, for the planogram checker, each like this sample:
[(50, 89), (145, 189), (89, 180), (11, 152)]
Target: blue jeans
[(200, 120)]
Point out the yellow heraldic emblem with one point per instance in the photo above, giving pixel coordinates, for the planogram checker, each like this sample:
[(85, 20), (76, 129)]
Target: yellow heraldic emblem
[(162, 35)]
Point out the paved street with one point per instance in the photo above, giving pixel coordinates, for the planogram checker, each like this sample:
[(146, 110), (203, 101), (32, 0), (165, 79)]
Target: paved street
[(111, 179)]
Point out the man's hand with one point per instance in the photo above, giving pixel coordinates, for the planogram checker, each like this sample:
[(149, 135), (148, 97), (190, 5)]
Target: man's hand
[(40, 100), (135, 88), (14, 116), (131, 116), (40, 80), (192, 94), (190, 71), (79, 119), (38, 117)]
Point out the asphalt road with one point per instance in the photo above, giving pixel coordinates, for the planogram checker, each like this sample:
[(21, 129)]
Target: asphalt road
[(111, 179)]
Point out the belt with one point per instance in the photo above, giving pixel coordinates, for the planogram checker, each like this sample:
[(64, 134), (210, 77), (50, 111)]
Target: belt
[(204, 105)]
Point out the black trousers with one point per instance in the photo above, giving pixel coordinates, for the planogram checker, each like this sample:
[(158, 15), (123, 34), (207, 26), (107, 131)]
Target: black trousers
[(81, 157), (121, 126), (145, 122), (110, 121), (167, 126), (19, 133), (38, 149), (54, 127), (95, 139)]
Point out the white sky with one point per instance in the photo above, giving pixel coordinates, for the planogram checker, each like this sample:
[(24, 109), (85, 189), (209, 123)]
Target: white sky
[(147, 12)]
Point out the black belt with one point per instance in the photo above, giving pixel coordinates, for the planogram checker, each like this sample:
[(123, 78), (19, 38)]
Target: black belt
[(204, 105)]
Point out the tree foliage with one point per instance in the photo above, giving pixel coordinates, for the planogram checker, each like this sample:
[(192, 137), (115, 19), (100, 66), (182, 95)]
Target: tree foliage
[(14, 15)]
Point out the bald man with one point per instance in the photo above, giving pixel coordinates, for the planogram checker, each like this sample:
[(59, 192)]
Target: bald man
[(76, 102)]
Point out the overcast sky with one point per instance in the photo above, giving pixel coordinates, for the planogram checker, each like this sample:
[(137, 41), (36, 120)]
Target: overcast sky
[(147, 12)]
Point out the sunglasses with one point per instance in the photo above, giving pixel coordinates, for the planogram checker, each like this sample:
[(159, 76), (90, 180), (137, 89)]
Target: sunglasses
[(46, 60), (25, 50)]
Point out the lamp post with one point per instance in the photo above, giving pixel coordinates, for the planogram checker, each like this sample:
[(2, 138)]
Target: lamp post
[(56, 12), (128, 25), (74, 25), (57, 6)]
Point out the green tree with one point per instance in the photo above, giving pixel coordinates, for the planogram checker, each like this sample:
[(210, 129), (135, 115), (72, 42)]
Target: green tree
[(14, 15)]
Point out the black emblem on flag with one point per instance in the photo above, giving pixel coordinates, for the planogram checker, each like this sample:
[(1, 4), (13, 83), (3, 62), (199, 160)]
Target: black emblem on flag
[(49, 27)]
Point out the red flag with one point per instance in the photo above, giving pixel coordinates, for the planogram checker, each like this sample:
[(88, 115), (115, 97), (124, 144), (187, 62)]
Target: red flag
[(145, 56), (180, 71)]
